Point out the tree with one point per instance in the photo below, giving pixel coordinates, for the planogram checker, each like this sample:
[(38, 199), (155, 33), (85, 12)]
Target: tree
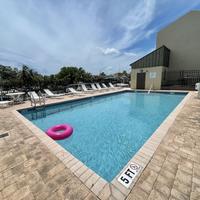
[(102, 74), (73, 75), (8, 77), (26, 77)]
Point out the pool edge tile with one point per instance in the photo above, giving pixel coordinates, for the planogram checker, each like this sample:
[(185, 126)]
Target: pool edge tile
[(98, 186)]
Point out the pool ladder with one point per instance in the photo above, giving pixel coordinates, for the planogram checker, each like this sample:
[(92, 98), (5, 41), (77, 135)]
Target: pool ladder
[(150, 89), (42, 100)]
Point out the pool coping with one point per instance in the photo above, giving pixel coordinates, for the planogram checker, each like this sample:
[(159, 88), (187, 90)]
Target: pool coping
[(100, 187)]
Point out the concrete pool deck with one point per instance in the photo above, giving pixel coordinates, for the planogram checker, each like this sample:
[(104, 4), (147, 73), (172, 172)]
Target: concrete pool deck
[(29, 170)]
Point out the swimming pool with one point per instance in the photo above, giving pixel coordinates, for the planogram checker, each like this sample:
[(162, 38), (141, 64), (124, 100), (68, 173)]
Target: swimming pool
[(109, 129)]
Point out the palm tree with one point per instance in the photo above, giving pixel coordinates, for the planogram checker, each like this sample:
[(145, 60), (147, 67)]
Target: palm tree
[(26, 76)]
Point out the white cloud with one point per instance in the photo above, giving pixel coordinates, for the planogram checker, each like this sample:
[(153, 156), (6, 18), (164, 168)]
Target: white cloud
[(150, 32), (135, 22), (92, 34), (115, 52), (108, 51), (130, 54)]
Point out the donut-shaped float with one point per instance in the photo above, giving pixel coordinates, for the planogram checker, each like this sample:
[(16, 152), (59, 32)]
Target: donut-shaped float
[(60, 132)]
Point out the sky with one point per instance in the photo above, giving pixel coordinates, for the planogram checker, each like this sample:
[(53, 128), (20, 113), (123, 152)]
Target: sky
[(98, 35)]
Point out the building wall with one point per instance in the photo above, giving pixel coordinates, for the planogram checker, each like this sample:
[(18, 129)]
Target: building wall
[(183, 39), (156, 82)]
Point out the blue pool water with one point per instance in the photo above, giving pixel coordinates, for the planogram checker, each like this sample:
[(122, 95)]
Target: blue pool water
[(108, 130)]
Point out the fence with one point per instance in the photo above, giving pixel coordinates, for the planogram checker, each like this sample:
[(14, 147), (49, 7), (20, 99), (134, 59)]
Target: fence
[(184, 79)]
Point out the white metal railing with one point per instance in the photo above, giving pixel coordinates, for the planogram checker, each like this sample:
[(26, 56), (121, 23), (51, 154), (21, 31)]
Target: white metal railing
[(42, 99)]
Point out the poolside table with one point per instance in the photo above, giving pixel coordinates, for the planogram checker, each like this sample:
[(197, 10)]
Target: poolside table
[(16, 96)]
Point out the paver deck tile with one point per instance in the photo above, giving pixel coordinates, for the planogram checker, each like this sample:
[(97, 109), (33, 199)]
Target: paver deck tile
[(105, 192), (7, 191), (29, 170)]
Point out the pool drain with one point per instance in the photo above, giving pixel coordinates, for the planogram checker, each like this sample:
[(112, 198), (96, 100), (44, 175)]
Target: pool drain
[(2, 135)]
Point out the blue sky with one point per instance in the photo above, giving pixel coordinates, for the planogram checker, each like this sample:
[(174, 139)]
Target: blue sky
[(98, 35)]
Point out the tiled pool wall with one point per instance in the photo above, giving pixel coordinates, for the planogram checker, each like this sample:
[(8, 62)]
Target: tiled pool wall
[(85, 98)]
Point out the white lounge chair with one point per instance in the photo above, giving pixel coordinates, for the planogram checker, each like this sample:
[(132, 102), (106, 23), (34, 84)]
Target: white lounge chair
[(99, 87), (4, 104), (34, 95), (83, 86), (111, 85), (104, 85), (51, 94), (36, 99), (74, 92), (93, 86)]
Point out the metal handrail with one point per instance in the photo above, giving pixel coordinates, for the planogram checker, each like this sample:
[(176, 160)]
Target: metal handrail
[(42, 99)]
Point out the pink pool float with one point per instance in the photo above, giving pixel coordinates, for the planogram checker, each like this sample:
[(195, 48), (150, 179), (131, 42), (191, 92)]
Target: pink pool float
[(60, 132)]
